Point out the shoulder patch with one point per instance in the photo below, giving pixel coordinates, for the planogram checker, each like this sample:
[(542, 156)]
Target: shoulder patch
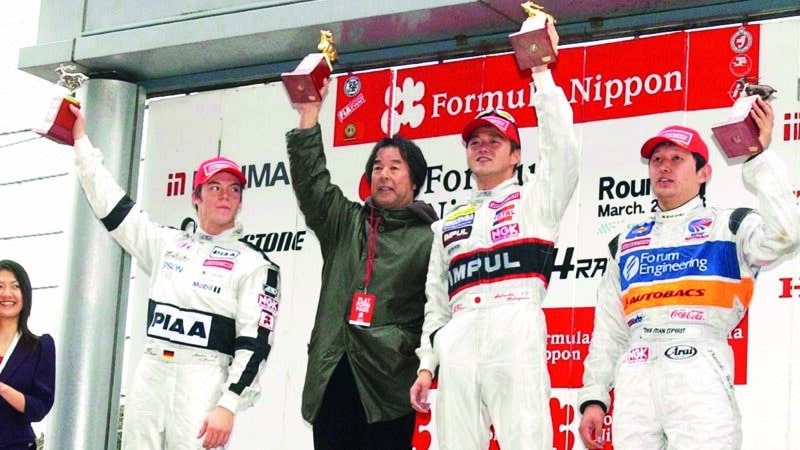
[(736, 218), (261, 252), (613, 245)]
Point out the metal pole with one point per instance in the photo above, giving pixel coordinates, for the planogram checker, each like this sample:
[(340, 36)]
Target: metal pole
[(90, 349)]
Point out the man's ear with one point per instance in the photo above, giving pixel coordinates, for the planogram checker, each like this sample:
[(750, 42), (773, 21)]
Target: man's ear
[(705, 173)]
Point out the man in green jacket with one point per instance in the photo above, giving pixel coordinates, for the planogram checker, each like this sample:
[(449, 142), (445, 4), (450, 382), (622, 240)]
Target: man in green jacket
[(369, 318)]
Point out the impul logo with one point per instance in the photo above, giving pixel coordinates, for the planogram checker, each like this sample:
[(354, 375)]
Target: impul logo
[(403, 99)]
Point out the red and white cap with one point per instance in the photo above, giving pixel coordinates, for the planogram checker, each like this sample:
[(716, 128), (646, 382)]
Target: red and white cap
[(213, 166), (685, 138), (502, 120)]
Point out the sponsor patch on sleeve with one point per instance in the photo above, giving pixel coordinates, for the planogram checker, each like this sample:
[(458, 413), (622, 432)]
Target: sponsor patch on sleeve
[(267, 321), (270, 286), (268, 303)]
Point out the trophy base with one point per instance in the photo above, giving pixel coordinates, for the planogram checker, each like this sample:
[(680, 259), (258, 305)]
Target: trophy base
[(533, 48), (305, 83), (738, 136), (58, 124)]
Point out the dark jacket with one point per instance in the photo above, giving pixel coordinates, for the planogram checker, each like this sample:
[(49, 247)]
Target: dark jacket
[(31, 371), (382, 355)]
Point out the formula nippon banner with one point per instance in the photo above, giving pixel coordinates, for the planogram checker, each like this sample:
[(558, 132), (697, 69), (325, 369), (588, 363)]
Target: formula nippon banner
[(621, 92)]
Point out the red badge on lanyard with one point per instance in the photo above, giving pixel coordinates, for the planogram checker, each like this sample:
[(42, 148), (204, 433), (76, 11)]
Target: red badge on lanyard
[(362, 308), (363, 304)]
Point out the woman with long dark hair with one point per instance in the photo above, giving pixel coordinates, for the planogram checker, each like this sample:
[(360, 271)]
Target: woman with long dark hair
[(27, 362)]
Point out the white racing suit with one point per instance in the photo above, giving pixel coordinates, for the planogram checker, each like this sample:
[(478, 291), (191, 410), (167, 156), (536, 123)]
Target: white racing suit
[(490, 264), (677, 287), (212, 308)]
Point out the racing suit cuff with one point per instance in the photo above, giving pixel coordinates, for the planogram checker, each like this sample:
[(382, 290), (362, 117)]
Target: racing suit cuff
[(83, 146), (428, 363), (229, 401), (543, 81), (588, 403)]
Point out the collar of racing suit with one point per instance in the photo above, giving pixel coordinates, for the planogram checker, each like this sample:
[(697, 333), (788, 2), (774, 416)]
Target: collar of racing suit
[(479, 196), (231, 234), (679, 212)]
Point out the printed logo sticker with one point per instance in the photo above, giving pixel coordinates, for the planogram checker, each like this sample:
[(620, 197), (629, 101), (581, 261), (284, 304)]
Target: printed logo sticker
[(448, 237), (267, 321), (635, 320), (640, 230), (508, 231), (221, 263), (680, 352), (268, 303), (698, 228), (688, 315), (505, 214), (638, 355), (459, 219), (497, 205), (741, 41), (219, 252), (634, 244)]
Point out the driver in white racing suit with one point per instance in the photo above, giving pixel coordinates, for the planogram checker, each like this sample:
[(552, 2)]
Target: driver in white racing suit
[(489, 269), (675, 288), (212, 307)]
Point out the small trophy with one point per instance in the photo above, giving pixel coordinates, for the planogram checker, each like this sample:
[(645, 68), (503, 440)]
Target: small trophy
[(738, 135), (57, 125), (305, 82), (532, 44)]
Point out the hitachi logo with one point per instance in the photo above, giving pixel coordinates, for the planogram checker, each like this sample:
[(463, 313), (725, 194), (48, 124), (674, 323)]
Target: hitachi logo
[(489, 263)]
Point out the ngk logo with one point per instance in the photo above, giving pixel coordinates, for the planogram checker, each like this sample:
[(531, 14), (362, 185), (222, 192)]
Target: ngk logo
[(690, 315), (638, 354)]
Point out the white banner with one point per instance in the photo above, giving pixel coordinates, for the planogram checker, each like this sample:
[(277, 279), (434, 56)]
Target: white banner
[(622, 93)]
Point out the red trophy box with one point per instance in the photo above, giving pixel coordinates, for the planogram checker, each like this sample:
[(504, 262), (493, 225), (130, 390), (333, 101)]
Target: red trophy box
[(305, 82), (738, 136), (58, 123), (532, 44)]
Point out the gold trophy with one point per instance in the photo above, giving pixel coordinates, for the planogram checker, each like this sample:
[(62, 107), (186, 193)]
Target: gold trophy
[(532, 44), (305, 82), (738, 135), (57, 125)]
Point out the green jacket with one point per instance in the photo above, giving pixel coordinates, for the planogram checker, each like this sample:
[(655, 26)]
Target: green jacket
[(382, 355)]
